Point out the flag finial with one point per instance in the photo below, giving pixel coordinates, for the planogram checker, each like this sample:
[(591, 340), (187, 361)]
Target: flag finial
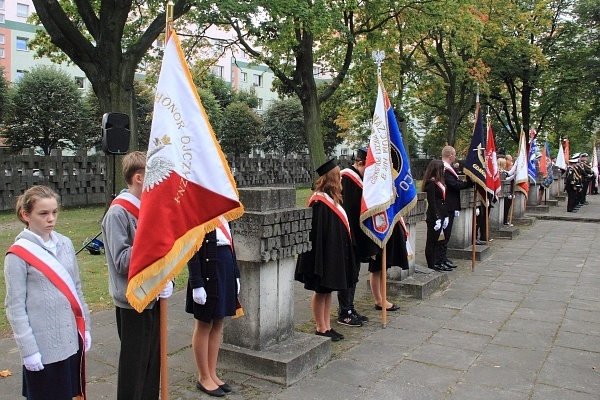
[(169, 16), (378, 56)]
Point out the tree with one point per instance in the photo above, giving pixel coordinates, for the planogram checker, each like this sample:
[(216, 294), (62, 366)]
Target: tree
[(47, 111), (294, 37), (241, 129), (284, 127), (3, 94)]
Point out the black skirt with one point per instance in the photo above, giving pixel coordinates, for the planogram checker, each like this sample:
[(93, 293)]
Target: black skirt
[(223, 303), (57, 381)]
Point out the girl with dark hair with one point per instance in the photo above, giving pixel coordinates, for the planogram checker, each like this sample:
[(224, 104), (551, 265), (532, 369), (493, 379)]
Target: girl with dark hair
[(437, 217)]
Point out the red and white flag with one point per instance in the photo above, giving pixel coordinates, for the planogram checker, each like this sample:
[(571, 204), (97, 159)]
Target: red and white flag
[(188, 184), (521, 174), (492, 176)]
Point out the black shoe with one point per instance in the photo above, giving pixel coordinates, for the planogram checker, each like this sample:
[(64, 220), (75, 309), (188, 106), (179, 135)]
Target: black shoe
[(449, 264), (441, 268), (349, 320), (393, 307), (363, 318), (336, 333), (226, 388), (218, 392), (329, 334)]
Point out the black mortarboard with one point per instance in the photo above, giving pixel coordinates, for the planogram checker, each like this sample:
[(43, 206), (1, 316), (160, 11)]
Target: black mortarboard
[(325, 168), (361, 153)]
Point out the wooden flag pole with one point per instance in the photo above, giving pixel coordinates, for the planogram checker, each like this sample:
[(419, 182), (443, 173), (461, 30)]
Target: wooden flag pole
[(164, 304), (474, 227), (383, 281)]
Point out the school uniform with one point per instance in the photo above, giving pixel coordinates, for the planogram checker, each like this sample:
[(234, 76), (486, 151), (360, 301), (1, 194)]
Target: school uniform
[(436, 210)]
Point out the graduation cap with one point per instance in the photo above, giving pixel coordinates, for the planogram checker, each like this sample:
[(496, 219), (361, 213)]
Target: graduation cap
[(325, 168), (361, 153)]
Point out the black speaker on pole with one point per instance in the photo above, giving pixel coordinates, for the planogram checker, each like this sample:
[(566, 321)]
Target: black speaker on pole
[(115, 133)]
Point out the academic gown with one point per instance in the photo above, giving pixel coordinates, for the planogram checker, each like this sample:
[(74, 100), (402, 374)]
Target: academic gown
[(330, 264)]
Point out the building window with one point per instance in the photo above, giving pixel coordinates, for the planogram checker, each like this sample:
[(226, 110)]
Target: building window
[(258, 80), (160, 44), (20, 74), (1, 53), (243, 54), (1, 18), (244, 77), (80, 81), (22, 43), (316, 71), (260, 104), (1, 38), (344, 152), (217, 70), (1, 4), (22, 10)]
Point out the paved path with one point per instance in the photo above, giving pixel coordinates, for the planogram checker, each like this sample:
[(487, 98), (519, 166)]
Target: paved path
[(525, 324)]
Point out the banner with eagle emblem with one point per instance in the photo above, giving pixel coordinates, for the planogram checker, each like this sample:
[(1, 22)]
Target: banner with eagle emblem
[(389, 191), (188, 184)]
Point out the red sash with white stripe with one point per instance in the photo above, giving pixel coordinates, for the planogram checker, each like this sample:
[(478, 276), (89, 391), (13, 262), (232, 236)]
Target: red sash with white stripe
[(337, 209), (451, 170), (350, 173), (55, 272), (129, 202)]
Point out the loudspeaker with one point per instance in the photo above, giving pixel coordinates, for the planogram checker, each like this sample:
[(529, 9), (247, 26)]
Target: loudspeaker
[(115, 133)]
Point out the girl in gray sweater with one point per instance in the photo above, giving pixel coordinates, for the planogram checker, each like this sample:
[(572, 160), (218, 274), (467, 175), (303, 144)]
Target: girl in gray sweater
[(44, 302)]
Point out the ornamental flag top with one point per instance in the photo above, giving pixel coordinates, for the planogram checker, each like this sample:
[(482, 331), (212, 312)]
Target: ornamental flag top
[(187, 186), (388, 188)]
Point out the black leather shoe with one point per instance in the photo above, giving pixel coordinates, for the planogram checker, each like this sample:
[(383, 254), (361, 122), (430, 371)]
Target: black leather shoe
[(226, 388), (449, 265), (218, 392), (393, 307), (441, 268)]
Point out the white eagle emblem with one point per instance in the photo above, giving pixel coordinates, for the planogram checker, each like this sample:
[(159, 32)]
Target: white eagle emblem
[(157, 168)]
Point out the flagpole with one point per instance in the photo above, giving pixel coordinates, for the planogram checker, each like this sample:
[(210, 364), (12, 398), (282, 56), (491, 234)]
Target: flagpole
[(474, 228), (487, 214), (163, 303), (378, 57)]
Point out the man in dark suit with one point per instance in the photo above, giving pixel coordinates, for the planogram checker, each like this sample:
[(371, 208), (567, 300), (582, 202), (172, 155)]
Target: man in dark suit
[(453, 187)]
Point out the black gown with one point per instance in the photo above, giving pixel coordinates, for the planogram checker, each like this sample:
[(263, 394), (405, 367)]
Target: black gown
[(330, 263)]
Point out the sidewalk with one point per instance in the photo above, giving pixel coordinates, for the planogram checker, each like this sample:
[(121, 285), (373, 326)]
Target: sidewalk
[(525, 324)]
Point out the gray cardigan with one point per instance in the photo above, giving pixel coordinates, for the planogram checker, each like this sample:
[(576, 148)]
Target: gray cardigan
[(39, 314), (118, 230)]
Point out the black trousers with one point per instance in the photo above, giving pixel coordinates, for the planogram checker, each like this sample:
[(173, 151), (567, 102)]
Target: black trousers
[(507, 205), (481, 224), (434, 247), (139, 361), (442, 245), (346, 296), (572, 197)]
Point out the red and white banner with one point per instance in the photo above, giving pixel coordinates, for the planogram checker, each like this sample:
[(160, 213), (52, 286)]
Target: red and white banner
[(188, 184), (492, 176)]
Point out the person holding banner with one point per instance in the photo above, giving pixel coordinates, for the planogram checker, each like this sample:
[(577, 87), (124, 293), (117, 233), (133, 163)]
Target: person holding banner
[(352, 187), (138, 375), (213, 286), (436, 215), (330, 264), (44, 302)]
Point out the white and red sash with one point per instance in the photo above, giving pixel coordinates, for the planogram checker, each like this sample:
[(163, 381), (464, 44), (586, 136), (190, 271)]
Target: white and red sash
[(350, 173), (449, 168), (442, 188), (336, 208), (41, 260), (129, 202), (224, 233)]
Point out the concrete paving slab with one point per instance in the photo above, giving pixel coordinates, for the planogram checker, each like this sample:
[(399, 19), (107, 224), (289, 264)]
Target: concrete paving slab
[(471, 391)]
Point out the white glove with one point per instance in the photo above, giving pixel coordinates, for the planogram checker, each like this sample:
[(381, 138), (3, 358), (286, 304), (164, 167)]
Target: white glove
[(167, 291), (33, 362), (445, 224), (199, 295), (87, 345), (438, 225), (477, 211), (238, 285)]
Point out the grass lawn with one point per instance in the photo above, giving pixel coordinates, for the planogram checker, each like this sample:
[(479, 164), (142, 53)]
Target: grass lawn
[(80, 224)]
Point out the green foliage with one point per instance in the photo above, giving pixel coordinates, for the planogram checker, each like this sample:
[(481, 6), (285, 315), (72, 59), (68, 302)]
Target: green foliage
[(284, 127), (241, 129), (3, 94), (213, 109), (47, 111)]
